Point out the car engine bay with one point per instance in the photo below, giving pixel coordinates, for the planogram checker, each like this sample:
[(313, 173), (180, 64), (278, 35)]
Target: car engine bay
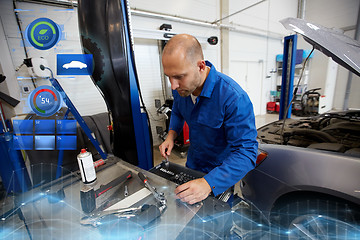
[(336, 132)]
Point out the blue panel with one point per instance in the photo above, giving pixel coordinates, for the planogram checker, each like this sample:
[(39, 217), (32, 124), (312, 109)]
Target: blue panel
[(44, 142), (74, 64), (287, 83), (13, 171), (141, 127), (23, 142), (23, 126), (66, 142), (299, 56), (44, 126), (147, 150), (66, 126)]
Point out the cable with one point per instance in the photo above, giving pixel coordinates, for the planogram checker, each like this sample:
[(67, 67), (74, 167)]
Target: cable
[(42, 67), (239, 11), (292, 99)]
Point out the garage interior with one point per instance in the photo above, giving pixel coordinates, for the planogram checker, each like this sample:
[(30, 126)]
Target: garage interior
[(242, 39)]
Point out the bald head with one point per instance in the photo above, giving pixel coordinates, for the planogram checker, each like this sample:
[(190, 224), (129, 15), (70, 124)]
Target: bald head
[(184, 45), (183, 62)]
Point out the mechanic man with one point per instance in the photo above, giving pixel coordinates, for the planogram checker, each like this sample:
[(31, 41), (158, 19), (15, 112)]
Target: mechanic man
[(220, 118)]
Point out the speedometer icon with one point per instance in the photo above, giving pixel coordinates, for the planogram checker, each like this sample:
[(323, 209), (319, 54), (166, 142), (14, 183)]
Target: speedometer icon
[(45, 101)]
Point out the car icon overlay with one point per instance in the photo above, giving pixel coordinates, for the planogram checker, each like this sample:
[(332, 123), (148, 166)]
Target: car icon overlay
[(74, 64)]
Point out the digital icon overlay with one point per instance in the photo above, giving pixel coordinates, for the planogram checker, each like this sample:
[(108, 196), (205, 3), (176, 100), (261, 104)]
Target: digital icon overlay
[(74, 64), (43, 33), (45, 134), (45, 101)]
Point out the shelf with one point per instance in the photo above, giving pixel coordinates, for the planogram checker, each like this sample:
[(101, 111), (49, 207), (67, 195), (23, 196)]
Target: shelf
[(296, 67)]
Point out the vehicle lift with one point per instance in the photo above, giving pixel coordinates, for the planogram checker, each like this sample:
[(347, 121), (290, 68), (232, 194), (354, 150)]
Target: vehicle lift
[(140, 123), (287, 83)]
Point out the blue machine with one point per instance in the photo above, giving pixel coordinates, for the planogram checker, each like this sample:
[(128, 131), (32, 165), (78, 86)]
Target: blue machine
[(105, 33), (141, 124)]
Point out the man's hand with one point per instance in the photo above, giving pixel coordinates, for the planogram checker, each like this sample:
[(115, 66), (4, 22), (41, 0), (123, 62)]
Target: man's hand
[(166, 147), (193, 191)]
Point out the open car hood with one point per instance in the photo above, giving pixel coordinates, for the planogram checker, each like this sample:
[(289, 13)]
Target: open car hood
[(336, 132), (333, 43)]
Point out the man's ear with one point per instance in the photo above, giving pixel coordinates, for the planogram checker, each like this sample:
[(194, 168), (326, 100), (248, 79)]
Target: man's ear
[(202, 65)]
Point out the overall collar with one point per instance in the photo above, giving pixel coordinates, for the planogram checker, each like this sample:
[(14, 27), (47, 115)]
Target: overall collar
[(209, 81)]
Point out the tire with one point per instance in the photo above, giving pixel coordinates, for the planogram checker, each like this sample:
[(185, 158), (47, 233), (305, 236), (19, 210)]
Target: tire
[(317, 219), (90, 47)]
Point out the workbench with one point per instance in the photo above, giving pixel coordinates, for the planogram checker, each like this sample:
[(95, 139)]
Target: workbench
[(46, 217)]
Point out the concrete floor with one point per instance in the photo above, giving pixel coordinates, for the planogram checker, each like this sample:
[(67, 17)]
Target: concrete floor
[(262, 120)]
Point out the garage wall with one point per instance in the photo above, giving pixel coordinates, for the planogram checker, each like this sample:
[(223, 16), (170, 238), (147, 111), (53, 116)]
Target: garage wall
[(250, 65), (205, 10), (264, 16), (252, 56)]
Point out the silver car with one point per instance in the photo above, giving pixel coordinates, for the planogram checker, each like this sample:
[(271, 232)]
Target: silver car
[(307, 179)]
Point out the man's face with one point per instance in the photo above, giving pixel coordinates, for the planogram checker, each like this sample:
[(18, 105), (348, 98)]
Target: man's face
[(184, 75)]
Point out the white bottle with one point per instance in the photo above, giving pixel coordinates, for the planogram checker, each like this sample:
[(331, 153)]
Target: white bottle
[(86, 166)]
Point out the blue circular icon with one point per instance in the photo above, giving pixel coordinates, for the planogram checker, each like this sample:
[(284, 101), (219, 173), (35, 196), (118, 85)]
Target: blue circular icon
[(45, 101), (43, 33)]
